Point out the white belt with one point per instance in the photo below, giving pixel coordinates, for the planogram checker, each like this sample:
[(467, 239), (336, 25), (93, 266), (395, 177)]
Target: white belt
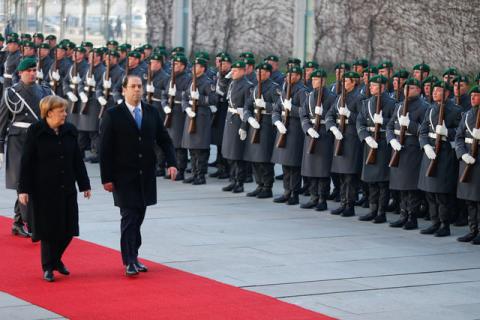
[(470, 141), (8, 76), (232, 110), (19, 124), (397, 132), (263, 111), (313, 121), (372, 129), (346, 121), (434, 136), (156, 99)]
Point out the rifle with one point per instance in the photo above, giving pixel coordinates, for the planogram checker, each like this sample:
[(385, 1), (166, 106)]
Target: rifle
[(192, 126), (75, 85), (396, 154), (214, 115), (149, 81), (337, 83), (338, 146), (457, 97), (106, 91), (372, 153), (318, 120), (467, 172), (282, 140), (39, 64), (55, 68), (258, 115), (367, 85), (84, 108), (171, 99), (397, 91), (432, 167)]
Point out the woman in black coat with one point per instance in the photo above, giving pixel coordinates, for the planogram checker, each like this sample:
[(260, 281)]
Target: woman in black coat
[(51, 165)]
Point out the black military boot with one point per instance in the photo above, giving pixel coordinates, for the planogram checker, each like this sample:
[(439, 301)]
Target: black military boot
[(432, 229), (339, 210), (214, 174), (293, 200), (310, 204), (371, 215), (380, 218), (229, 187), (180, 176), (476, 240), (468, 237), (238, 188), (282, 199), (199, 180), (349, 211), (255, 192), (265, 193), (412, 222), (321, 205), (443, 231), (189, 179), (401, 220), (19, 231), (333, 195)]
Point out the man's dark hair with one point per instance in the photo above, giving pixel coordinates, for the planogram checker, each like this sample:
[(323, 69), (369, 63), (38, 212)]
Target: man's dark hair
[(126, 78)]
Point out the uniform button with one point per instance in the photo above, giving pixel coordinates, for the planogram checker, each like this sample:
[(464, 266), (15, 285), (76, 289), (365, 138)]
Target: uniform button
[(139, 138), (140, 155), (141, 172)]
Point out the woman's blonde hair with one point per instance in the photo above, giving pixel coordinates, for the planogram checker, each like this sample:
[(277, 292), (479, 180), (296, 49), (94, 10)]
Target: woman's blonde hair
[(49, 103)]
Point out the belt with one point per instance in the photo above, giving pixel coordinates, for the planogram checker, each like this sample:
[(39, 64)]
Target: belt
[(372, 129), (19, 124), (177, 102), (7, 76), (397, 132), (156, 99), (471, 140), (346, 121), (434, 136), (313, 121), (263, 111), (232, 110)]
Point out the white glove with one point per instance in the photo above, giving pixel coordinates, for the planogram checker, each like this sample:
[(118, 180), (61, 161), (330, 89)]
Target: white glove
[(371, 142), (83, 97), (56, 75), (76, 80), (119, 101), (441, 129), (243, 134), (107, 84), (404, 121), (254, 123), (312, 133), (338, 135), (280, 127), (468, 159), (395, 145), (150, 88), (429, 152), (377, 118), (343, 111), (319, 110), (476, 134), (260, 103), (287, 104), (195, 94), (190, 112), (167, 110), (213, 108), (72, 97), (172, 91), (91, 82), (40, 74), (1, 160), (229, 75), (240, 113), (219, 91), (102, 101)]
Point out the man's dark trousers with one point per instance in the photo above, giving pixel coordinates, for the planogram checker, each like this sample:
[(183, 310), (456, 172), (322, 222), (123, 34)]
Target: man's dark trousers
[(131, 238)]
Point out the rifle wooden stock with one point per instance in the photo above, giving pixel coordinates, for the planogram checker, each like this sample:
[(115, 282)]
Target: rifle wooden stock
[(372, 153), (258, 115), (84, 108), (432, 167), (75, 85), (106, 91), (171, 99), (39, 65), (395, 159), (367, 86), (282, 140), (192, 125), (318, 120), (457, 96), (341, 127), (149, 81), (467, 172)]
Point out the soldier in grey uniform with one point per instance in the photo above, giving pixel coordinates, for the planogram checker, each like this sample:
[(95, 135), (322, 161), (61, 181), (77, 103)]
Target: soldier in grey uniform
[(54, 77), (376, 174), (259, 152), (467, 134), (439, 187), (18, 110), (385, 68), (198, 141), (460, 92), (308, 68), (428, 88), (45, 62), (240, 97), (111, 86), (177, 114), (277, 76), (360, 66), (340, 69), (250, 71), (3, 56), (368, 73), (316, 163), (11, 62), (290, 155), (399, 78), (347, 164), (52, 42), (421, 71), (134, 67), (123, 51), (404, 177)]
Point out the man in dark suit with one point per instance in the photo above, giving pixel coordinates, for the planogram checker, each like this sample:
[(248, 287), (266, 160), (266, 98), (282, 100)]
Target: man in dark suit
[(127, 164)]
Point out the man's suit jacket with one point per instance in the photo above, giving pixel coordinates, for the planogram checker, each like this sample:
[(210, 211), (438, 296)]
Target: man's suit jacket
[(127, 155)]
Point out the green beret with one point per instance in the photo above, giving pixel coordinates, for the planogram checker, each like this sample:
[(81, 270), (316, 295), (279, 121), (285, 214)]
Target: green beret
[(378, 79), (450, 72), (385, 64), (238, 64), (371, 69), (135, 54), (114, 53), (225, 57), (319, 73), (402, 73), (127, 45), (247, 54), (80, 49), (430, 79), (178, 50), (272, 58), (249, 61), (351, 75), (361, 62), (112, 43), (12, 35), (51, 37), (1, 37), (442, 84), (98, 51), (264, 66), (26, 64), (71, 45), (294, 61), (62, 46), (181, 58), (475, 89), (26, 36), (461, 79), (160, 47), (29, 44), (87, 44), (218, 55), (342, 65), (412, 82), (310, 64), (38, 35), (139, 49), (422, 66), (44, 46), (201, 61), (157, 57), (147, 46), (295, 69), (13, 40), (123, 48), (202, 54)]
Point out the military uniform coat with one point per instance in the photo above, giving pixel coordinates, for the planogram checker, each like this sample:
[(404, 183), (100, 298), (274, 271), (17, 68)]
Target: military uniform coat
[(10, 74), (160, 81), (69, 86), (115, 92), (63, 68), (89, 121), (278, 77), (220, 116)]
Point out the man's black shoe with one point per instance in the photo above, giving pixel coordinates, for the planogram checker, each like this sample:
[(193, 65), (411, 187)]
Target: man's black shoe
[(131, 270), (399, 223), (140, 267), (380, 218), (431, 230), (348, 212), (281, 199), (160, 172), (199, 180), (368, 217), (20, 231), (223, 175), (62, 269), (229, 187), (265, 193), (293, 200), (468, 237), (180, 176), (310, 204), (476, 240), (321, 206), (255, 192), (189, 179), (279, 177), (214, 174), (411, 224), (48, 276), (337, 211), (212, 164), (444, 230), (238, 188)]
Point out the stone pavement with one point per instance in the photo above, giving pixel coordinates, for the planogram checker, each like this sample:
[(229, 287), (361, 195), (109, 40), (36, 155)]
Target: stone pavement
[(337, 266)]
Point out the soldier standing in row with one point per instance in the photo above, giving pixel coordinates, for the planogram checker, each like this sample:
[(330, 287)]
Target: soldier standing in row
[(277, 76), (45, 62), (108, 91), (460, 92), (11, 62), (59, 70)]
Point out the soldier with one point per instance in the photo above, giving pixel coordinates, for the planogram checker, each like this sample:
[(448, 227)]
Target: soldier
[(11, 62), (38, 38), (71, 48), (316, 163), (368, 73), (308, 68), (58, 70), (199, 112), (250, 75), (88, 120), (122, 60), (88, 47), (347, 163), (108, 90), (385, 68), (45, 62), (468, 133), (26, 37), (112, 45), (359, 66), (277, 76), (428, 88), (52, 42), (134, 67), (460, 90), (239, 96), (210, 72), (147, 51), (421, 71), (399, 78), (404, 177), (258, 150), (29, 49), (158, 85), (375, 171), (177, 115), (286, 117), (440, 184), (448, 75), (18, 110)]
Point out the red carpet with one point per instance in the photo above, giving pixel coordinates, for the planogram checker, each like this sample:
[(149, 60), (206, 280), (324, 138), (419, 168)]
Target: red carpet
[(98, 289)]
